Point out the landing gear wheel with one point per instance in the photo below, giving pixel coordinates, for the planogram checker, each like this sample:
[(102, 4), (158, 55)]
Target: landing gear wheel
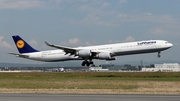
[(87, 63), (83, 63), (159, 54)]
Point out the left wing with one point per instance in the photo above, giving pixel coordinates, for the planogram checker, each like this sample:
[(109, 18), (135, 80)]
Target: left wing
[(73, 51), (66, 49), (85, 53)]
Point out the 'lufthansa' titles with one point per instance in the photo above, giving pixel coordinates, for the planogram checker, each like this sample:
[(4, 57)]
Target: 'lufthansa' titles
[(146, 42)]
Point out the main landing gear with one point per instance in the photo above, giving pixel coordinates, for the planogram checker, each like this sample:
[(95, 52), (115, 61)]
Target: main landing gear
[(159, 54), (87, 63)]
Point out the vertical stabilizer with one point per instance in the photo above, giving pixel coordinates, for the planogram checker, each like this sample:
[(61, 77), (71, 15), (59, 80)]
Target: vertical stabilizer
[(23, 46)]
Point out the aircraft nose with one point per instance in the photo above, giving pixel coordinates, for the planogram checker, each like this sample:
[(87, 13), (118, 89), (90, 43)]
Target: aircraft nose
[(170, 44)]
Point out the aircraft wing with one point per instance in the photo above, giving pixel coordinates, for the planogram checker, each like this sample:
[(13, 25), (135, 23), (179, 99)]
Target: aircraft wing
[(72, 51), (19, 55), (66, 49)]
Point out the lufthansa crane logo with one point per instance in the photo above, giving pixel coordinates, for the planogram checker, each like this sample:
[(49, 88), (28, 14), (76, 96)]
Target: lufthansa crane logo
[(20, 43)]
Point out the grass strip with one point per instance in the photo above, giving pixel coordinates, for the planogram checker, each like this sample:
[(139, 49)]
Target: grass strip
[(90, 80)]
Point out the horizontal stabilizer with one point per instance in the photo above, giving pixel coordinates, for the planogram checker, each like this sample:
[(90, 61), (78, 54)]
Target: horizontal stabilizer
[(19, 55)]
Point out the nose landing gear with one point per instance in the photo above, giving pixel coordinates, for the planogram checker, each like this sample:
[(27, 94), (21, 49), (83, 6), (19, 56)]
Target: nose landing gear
[(159, 54)]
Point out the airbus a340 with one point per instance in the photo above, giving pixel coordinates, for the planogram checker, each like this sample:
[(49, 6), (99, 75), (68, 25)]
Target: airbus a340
[(87, 54)]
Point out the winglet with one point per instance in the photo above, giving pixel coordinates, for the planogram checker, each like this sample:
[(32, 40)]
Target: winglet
[(48, 44)]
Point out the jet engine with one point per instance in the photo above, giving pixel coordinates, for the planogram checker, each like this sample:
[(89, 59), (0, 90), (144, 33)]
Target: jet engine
[(84, 53), (105, 56)]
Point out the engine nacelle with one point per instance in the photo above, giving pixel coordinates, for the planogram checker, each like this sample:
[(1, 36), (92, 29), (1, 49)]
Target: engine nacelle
[(104, 56), (84, 53)]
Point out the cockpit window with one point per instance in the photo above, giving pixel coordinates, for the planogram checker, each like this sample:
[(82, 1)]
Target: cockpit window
[(166, 42)]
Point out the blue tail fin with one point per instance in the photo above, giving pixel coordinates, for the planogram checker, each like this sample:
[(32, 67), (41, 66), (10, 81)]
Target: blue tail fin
[(23, 46)]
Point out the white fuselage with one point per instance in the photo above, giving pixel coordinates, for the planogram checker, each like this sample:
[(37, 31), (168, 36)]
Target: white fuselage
[(118, 49)]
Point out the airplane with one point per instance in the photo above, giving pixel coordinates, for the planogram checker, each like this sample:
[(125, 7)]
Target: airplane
[(87, 54)]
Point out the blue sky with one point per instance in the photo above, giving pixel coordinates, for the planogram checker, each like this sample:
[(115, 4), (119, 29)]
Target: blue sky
[(75, 23)]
